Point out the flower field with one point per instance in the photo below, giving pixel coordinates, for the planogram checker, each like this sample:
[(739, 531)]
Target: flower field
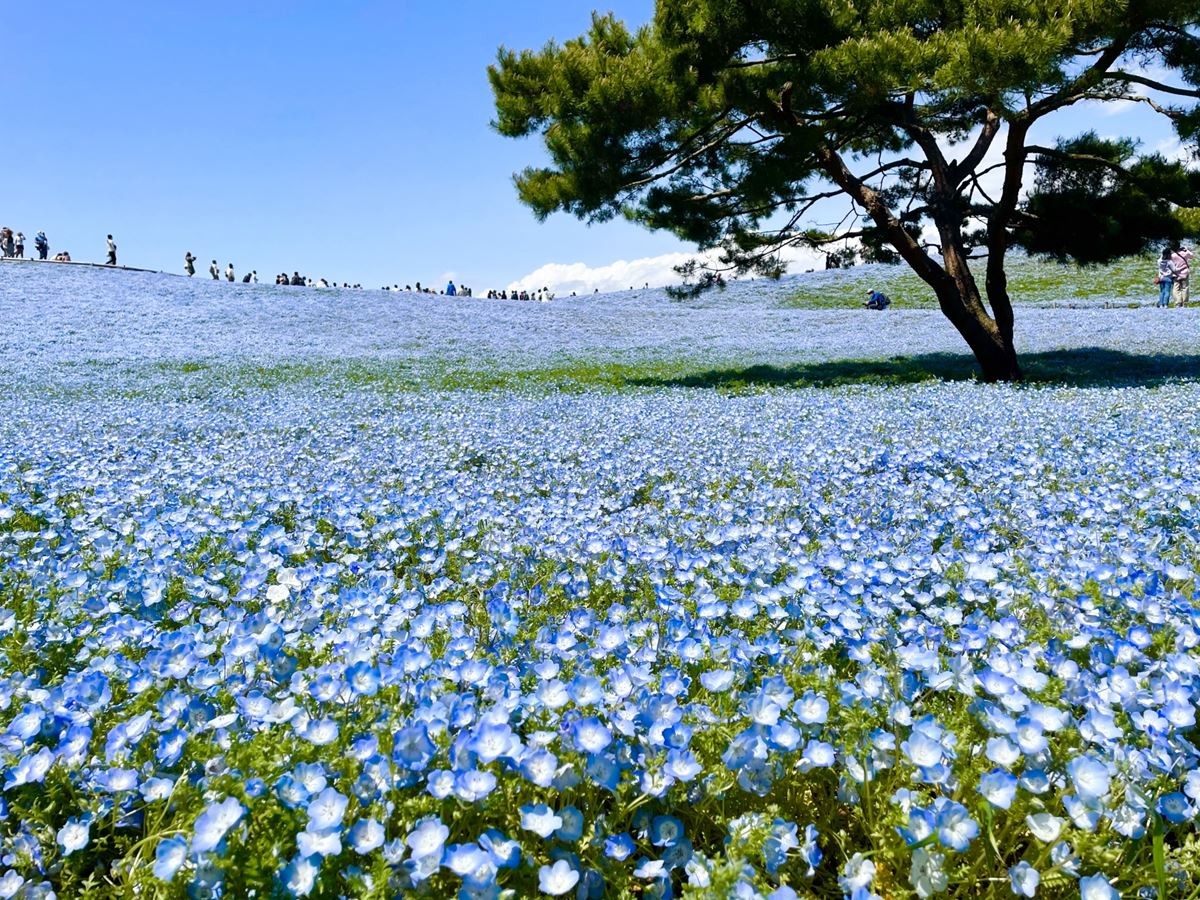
[(330, 636)]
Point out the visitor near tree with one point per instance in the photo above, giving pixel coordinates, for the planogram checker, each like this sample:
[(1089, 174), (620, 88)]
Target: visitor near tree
[(1181, 259), (877, 300), (1165, 278)]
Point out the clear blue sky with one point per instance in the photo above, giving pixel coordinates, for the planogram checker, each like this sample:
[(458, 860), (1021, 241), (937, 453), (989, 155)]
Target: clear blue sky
[(348, 140)]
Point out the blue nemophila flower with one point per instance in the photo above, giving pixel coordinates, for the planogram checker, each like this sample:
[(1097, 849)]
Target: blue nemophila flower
[(591, 736), (1024, 879), (857, 874), (505, 853), (325, 811), (619, 847), (1175, 808), (169, 856), (927, 873), (540, 819), (428, 839), (999, 788), (1089, 777), (74, 835), (557, 879), (1044, 826), (299, 876), (955, 827), (212, 824), (1097, 887)]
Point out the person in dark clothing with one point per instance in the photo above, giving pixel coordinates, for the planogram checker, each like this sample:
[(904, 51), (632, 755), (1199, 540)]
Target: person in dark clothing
[(42, 244), (246, 278), (189, 264), (877, 300), (297, 280)]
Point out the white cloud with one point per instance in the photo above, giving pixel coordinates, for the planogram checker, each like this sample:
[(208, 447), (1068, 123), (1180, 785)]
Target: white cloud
[(657, 271)]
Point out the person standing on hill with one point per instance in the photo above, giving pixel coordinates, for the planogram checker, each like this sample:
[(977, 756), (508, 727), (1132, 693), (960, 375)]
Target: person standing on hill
[(1181, 259), (254, 277), (42, 244), (229, 273), (19, 239), (112, 252), (7, 247), (189, 264), (215, 271), (1165, 278)]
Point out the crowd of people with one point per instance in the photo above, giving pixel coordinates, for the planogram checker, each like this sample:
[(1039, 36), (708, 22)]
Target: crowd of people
[(1173, 278), (12, 246)]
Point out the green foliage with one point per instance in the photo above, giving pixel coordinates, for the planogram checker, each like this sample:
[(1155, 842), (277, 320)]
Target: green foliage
[(1095, 200), (1189, 220), (728, 122)]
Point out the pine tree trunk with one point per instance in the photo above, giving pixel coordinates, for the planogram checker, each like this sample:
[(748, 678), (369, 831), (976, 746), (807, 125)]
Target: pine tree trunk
[(991, 344)]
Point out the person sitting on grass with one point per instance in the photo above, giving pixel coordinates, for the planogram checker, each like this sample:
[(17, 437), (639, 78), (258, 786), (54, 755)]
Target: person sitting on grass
[(877, 300)]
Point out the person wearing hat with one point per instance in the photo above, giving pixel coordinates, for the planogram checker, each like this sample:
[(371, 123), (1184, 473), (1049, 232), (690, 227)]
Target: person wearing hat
[(1181, 260), (877, 300)]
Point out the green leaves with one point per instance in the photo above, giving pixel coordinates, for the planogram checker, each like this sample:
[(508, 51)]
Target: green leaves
[(1096, 200)]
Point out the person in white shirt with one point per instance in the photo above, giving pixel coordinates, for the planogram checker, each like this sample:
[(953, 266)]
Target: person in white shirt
[(215, 271), (112, 252), (1181, 259), (254, 277), (229, 273)]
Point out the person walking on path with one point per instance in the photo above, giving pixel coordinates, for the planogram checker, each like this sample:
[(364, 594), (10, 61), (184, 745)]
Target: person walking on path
[(229, 273), (1181, 259), (189, 264), (1165, 278), (215, 271), (42, 244), (19, 240), (112, 252)]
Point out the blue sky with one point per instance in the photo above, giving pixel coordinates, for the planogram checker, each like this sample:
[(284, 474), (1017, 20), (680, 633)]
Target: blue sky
[(349, 141)]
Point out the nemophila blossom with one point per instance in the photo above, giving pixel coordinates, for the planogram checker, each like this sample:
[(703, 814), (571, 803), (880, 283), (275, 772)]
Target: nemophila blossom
[(1097, 887), (1044, 826), (212, 824), (955, 827), (1024, 879), (557, 879), (927, 874), (325, 811), (1175, 808), (540, 819), (999, 788), (591, 736), (74, 835), (11, 883), (169, 856), (299, 876), (1089, 777), (428, 838), (857, 874)]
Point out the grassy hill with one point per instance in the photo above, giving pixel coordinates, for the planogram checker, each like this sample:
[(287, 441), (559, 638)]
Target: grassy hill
[(1031, 282)]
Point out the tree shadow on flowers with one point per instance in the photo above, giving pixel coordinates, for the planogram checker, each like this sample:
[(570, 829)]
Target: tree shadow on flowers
[(1079, 367)]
